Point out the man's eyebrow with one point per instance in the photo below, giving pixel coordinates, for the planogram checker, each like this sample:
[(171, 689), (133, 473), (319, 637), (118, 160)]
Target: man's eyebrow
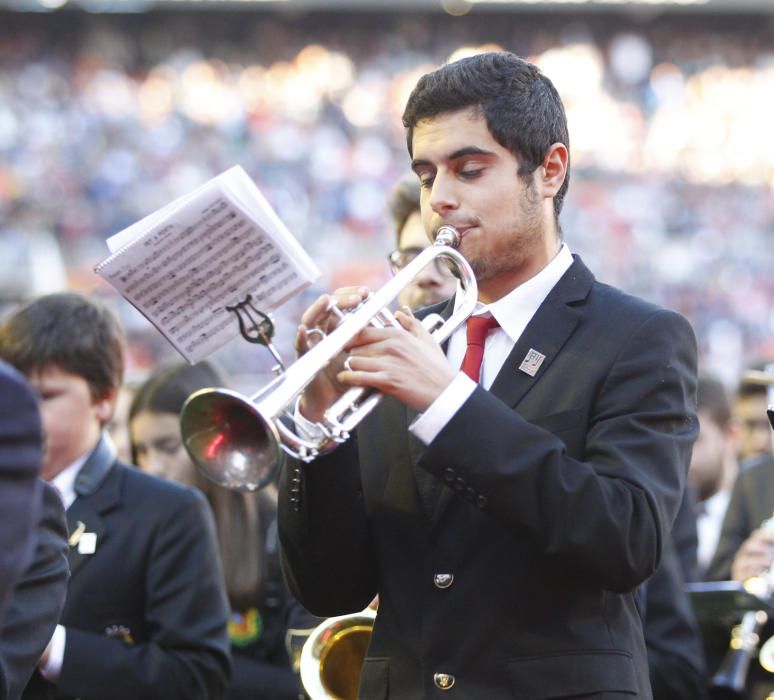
[(454, 155)]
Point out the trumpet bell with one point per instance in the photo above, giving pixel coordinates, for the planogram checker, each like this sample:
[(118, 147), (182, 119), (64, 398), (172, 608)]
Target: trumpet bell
[(229, 440)]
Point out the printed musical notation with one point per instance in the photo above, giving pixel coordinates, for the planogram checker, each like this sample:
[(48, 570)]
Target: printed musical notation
[(189, 262)]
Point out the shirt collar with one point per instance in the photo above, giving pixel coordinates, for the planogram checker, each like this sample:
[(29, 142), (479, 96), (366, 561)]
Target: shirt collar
[(716, 504), (64, 482), (525, 299)]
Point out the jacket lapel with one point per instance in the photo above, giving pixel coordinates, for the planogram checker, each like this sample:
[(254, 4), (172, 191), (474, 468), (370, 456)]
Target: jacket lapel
[(95, 494), (546, 333)]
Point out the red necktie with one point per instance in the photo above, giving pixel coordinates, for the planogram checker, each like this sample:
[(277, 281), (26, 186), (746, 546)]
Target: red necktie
[(478, 328)]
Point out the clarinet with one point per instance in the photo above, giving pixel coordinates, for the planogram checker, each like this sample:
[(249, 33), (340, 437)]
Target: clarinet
[(730, 678)]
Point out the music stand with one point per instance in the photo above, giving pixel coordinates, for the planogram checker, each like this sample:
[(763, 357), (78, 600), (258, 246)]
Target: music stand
[(713, 600)]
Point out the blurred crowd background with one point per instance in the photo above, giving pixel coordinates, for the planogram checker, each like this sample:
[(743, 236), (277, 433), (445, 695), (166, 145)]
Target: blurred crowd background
[(105, 118)]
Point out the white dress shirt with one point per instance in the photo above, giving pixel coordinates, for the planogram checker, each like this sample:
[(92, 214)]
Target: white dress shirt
[(513, 312), (709, 522), (64, 482)]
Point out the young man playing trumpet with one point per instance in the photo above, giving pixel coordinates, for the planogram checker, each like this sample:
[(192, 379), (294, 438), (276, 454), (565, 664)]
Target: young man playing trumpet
[(506, 522)]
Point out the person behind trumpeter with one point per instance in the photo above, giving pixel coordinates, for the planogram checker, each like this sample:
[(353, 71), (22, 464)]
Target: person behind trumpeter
[(713, 466), (262, 609), (435, 282), (506, 525), (145, 614), (33, 538), (746, 544), (749, 414)]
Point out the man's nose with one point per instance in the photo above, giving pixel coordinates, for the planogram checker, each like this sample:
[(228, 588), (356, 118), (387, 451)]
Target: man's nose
[(428, 276), (155, 462), (443, 195)]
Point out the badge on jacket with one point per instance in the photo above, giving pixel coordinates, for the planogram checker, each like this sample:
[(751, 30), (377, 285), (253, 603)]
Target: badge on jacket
[(85, 541)]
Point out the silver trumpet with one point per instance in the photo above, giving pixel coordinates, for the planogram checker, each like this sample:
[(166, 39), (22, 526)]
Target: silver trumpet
[(236, 440)]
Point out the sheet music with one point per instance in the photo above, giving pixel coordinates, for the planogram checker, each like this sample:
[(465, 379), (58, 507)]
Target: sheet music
[(182, 265)]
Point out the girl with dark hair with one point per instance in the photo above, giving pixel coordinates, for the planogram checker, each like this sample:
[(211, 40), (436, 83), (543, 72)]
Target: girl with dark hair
[(262, 609)]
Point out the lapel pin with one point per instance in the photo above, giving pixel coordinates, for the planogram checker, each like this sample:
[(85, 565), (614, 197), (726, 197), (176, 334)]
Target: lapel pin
[(88, 543), (531, 363), (75, 535)]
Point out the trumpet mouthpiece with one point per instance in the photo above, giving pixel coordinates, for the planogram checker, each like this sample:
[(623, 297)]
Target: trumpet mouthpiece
[(447, 235)]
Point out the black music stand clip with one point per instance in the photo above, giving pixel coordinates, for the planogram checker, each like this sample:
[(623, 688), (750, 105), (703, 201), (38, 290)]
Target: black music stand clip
[(256, 327)]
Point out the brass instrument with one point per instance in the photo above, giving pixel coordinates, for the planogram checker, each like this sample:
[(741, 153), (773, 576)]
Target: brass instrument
[(332, 657), (235, 440), (744, 644)]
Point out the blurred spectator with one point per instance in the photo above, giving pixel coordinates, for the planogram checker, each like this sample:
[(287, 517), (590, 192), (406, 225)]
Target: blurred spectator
[(262, 609), (755, 432), (713, 466), (746, 546)]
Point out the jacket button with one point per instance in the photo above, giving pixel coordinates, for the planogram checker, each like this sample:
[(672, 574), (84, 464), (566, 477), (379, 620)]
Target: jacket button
[(482, 502), (444, 681), (449, 475), (443, 580), (459, 484)]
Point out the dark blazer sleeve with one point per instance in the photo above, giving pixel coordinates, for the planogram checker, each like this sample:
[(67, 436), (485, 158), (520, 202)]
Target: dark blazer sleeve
[(323, 530), (37, 599), (20, 457), (604, 512), (186, 612)]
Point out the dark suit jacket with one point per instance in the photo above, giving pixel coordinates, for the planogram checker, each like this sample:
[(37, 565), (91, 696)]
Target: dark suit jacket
[(37, 599), (20, 457), (506, 553), (146, 613)]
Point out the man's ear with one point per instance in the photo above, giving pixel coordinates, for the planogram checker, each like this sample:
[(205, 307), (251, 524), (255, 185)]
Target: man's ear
[(105, 405), (554, 168)]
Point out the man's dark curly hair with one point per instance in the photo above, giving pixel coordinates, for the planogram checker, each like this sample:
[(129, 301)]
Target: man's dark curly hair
[(522, 108)]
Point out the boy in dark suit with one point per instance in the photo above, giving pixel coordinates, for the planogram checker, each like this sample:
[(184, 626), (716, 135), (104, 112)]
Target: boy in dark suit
[(146, 612), (506, 517)]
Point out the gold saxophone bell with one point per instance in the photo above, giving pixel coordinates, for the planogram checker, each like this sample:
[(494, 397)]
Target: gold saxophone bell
[(236, 440), (766, 655), (332, 657)]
